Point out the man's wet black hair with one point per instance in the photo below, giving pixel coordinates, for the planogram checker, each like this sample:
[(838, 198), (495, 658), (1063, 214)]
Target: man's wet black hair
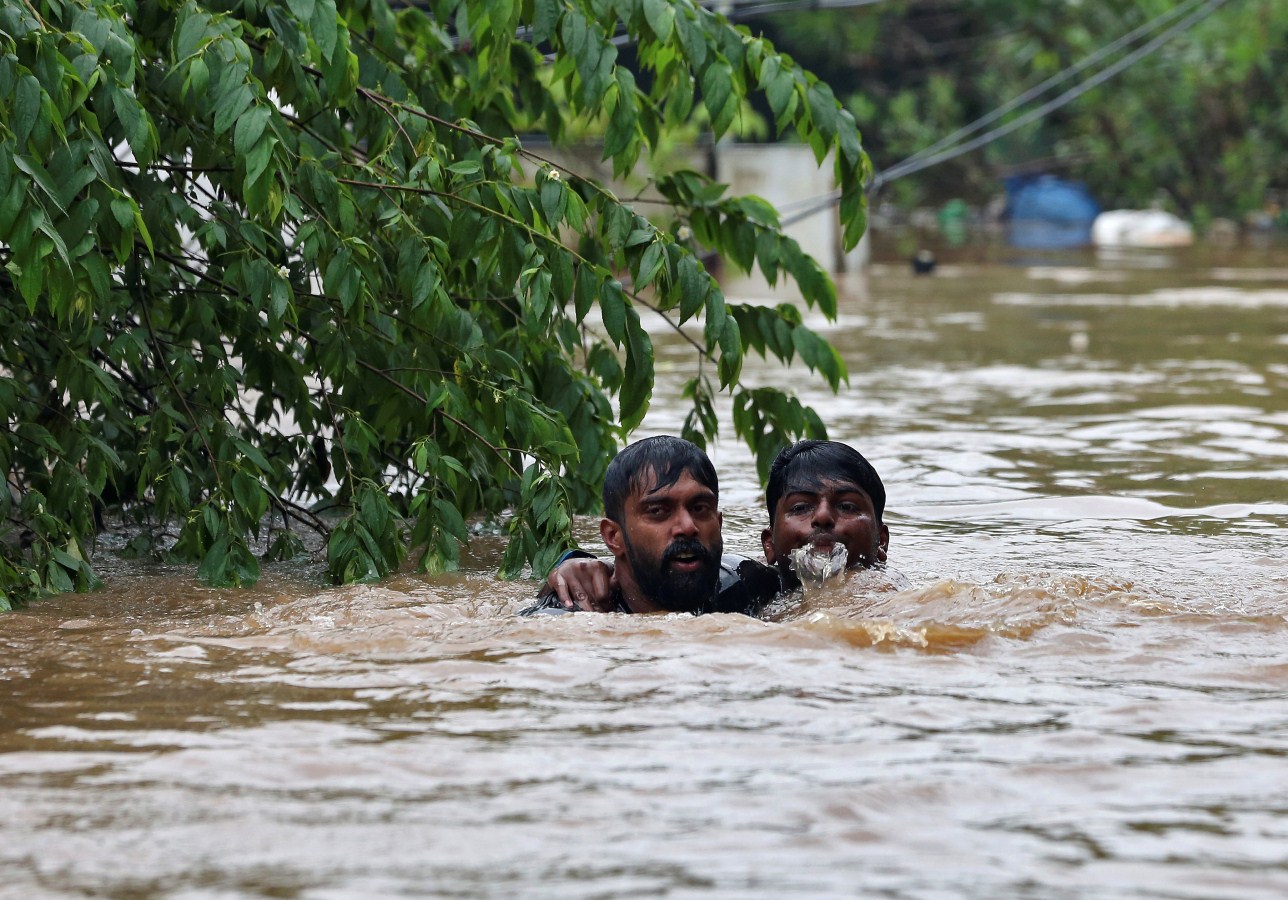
[(663, 457), (806, 465)]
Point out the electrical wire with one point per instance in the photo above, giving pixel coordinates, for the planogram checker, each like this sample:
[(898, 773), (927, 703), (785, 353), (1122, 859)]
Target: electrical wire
[(1061, 76), (930, 156), (909, 166)]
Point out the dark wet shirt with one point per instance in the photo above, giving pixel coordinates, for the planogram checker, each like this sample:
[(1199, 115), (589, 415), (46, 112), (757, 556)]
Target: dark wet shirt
[(746, 586)]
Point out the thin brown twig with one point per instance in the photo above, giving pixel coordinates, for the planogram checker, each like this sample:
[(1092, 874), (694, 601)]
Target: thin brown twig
[(387, 111), (301, 515), (35, 12), (357, 157)]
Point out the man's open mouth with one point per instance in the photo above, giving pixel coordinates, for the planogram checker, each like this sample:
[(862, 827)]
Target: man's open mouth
[(687, 558), (687, 561)]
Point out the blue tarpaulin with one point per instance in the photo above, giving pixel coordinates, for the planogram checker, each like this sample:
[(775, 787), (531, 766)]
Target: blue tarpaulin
[(1048, 212)]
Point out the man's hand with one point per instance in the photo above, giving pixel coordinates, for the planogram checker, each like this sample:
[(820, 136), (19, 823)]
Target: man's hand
[(585, 584)]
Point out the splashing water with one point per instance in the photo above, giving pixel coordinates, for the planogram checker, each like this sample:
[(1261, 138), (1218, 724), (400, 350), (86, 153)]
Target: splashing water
[(817, 564)]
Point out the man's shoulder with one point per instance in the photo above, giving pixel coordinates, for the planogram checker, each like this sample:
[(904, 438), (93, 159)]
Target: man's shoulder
[(746, 585)]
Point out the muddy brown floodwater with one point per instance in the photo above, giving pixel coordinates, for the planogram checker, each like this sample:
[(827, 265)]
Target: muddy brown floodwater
[(1084, 692)]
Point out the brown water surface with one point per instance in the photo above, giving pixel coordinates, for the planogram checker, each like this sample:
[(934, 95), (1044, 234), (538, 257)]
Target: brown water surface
[(1084, 692)]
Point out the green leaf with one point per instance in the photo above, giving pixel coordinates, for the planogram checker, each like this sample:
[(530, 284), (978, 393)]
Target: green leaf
[(638, 385), (249, 128), (717, 87), (694, 285), (325, 30), (213, 569), (427, 281), (853, 210), (661, 18), (823, 110), (818, 354), (10, 205), (573, 34), (586, 291), (781, 93), (545, 20), (123, 210), (466, 167), (194, 29), (142, 230), (650, 264), (286, 546), (230, 107), (612, 306), (41, 177), (198, 78), (56, 239), (692, 39), (302, 9), (26, 106), (449, 519), (250, 495), (559, 263), (553, 201), (618, 221), (134, 123), (848, 140)]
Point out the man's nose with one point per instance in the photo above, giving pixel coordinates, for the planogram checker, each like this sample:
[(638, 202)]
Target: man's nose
[(683, 523), (823, 514)]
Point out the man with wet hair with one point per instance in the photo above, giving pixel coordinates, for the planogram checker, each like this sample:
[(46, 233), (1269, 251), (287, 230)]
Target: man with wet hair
[(821, 494), (662, 524)]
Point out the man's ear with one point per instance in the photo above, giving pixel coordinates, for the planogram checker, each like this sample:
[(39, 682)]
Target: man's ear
[(884, 544), (767, 541), (611, 534)]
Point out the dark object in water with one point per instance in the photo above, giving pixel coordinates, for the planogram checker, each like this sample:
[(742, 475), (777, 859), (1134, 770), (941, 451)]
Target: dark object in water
[(923, 262)]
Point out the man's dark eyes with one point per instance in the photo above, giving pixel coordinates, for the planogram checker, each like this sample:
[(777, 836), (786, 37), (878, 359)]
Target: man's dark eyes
[(849, 507), (703, 510)]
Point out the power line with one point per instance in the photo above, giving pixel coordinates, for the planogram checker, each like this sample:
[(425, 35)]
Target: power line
[(941, 151), (1040, 89), (909, 166)]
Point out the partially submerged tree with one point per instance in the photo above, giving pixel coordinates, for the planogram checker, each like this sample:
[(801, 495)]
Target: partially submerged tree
[(262, 254)]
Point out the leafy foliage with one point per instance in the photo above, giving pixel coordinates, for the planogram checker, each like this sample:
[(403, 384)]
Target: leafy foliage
[(272, 265), (1200, 124)]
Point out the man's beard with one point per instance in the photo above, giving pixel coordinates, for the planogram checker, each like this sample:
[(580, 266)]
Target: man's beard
[(674, 590)]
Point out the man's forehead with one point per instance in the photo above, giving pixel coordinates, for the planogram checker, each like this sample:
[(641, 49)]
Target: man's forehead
[(648, 482), (817, 485)]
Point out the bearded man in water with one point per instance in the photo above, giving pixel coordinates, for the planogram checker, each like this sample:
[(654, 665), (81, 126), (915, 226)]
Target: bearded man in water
[(662, 524), (821, 494)]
